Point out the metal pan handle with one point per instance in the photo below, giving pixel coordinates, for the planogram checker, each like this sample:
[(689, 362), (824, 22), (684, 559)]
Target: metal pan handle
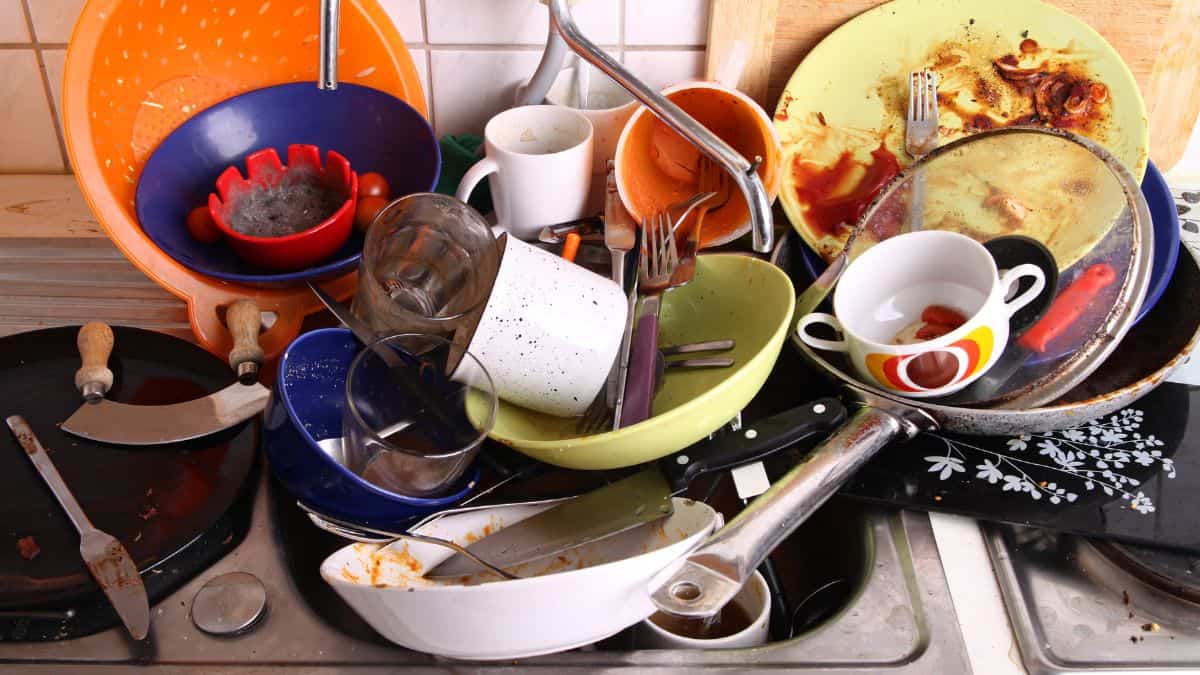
[(716, 571)]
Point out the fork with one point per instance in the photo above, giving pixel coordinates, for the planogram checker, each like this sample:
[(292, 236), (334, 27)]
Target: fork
[(920, 136), (713, 180), (598, 416), (658, 262)]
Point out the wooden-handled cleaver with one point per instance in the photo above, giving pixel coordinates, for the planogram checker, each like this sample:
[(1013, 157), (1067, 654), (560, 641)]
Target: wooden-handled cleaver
[(105, 421)]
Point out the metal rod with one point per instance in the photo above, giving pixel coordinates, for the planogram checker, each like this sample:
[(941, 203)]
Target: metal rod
[(741, 170), (329, 44)]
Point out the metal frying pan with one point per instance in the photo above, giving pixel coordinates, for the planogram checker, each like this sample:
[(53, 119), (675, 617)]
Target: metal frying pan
[(1106, 211)]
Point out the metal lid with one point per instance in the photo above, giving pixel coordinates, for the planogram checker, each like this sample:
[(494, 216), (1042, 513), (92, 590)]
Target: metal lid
[(229, 604)]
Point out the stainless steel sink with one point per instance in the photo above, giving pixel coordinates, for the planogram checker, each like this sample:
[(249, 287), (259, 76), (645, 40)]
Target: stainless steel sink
[(897, 615)]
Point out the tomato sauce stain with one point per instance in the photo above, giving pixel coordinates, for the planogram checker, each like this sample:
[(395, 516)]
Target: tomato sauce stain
[(829, 207)]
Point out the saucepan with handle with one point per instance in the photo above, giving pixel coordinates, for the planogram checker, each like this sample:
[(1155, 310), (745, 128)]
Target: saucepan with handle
[(1089, 209)]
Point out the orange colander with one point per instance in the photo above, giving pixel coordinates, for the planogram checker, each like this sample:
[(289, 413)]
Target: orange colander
[(137, 69)]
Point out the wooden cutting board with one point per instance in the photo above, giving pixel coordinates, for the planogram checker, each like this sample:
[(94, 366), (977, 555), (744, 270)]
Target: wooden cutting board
[(1155, 37)]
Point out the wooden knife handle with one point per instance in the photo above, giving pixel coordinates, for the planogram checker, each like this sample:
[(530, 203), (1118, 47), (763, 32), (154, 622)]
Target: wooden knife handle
[(95, 342), (245, 320)]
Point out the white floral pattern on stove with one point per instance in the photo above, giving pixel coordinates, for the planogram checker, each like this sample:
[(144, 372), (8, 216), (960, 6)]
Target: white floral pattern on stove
[(1090, 456)]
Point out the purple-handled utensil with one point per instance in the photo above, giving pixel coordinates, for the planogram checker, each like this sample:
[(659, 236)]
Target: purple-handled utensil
[(658, 261)]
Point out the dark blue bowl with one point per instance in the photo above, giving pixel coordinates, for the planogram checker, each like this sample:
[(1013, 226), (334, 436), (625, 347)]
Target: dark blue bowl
[(306, 407), (374, 130), (1166, 239)]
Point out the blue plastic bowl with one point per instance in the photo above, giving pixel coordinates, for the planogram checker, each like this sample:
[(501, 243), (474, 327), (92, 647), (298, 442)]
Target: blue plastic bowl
[(1166, 240), (306, 407), (374, 130)]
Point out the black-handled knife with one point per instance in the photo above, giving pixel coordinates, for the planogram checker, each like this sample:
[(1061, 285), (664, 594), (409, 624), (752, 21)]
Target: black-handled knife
[(645, 496)]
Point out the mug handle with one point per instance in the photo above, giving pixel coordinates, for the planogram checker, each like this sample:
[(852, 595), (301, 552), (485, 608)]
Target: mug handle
[(1013, 276), (816, 342), (478, 171), (958, 354)]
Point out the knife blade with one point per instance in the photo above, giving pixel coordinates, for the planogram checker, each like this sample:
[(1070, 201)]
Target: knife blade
[(620, 232), (643, 497), (105, 421), (105, 557), (620, 237)]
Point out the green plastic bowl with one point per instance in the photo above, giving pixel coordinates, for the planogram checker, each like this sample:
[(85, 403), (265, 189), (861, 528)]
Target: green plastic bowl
[(733, 296)]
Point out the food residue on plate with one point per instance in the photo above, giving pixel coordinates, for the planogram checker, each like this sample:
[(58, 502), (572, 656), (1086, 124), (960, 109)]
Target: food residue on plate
[(28, 547), (833, 197)]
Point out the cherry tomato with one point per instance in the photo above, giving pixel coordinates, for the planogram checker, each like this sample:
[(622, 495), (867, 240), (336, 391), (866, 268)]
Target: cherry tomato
[(368, 207), (372, 185), (201, 226)]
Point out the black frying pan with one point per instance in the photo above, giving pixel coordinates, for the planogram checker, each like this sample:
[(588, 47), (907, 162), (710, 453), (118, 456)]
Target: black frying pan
[(155, 500)]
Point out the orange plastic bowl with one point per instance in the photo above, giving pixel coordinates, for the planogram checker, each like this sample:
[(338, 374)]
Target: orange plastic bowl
[(656, 167), (137, 69)]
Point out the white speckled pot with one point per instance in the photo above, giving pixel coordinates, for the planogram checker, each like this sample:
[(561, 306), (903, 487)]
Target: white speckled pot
[(549, 333)]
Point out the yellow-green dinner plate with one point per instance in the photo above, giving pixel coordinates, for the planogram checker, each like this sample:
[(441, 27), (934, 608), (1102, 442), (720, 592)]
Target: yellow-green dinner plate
[(850, 94)]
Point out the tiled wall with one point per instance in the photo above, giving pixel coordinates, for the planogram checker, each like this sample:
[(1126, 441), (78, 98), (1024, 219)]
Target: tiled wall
[(471, 54)]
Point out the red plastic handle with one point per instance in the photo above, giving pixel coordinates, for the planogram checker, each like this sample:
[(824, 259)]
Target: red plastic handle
[(1068, 306)]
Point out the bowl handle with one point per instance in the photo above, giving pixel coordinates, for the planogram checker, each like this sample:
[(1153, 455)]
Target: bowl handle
[(290, 307)]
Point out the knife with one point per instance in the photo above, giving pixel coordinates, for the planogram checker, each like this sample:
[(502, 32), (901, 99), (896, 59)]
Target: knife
[(620, 237), (105, 421), (105, 557), (643, 497), (620, 233), (1063, 312)]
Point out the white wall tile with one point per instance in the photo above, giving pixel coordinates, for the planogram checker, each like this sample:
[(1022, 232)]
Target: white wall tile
[(12, 22), (54, 19), (494, 22), (27, 138), (420, 59), (472, 86), (661, 68), (406, 14), (666, 22), (55, 59)]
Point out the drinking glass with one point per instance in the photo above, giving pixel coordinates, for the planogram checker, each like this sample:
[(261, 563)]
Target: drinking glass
[(428, 264), (406, 426)]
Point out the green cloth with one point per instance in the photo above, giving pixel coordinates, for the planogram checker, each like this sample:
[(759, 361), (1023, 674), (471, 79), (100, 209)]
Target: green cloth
[(458, 155)]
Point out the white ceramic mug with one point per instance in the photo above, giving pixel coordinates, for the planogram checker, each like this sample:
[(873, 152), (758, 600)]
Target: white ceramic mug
[(549, 332), (887, 288), (539, 158), (754, 600)]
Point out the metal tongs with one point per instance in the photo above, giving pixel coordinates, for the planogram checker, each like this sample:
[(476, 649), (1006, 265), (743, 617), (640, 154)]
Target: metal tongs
[(564, 33)]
